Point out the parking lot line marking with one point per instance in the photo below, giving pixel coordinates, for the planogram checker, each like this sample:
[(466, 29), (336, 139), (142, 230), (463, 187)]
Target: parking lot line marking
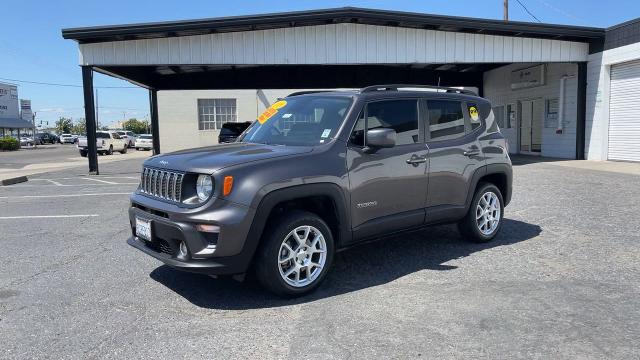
[(66, 195), (45, 216), (54, 182), (102, 181), (81, 177), (18, 186)]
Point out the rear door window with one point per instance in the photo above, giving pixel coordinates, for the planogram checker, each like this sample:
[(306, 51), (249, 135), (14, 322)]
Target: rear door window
[(446, 119)]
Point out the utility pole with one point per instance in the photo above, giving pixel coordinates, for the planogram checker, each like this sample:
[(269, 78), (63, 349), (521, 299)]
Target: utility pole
[(506, 10)]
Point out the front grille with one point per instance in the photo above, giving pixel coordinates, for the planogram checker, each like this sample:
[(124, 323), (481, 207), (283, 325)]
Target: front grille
[(163, 184)]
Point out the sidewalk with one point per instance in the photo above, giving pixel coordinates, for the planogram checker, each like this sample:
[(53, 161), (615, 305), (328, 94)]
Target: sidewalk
[(611, 166), (10, 176), (621, 167)]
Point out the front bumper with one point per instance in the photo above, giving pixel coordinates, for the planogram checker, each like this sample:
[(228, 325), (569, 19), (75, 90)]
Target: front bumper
[(215, 266), (208, 253)]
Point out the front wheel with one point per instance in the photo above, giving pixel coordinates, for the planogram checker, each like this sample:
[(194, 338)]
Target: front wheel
[(484, 218), (295, 255)]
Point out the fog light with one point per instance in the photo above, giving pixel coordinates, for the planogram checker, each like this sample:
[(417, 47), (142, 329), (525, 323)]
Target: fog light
[(208, 228), (183, 249)]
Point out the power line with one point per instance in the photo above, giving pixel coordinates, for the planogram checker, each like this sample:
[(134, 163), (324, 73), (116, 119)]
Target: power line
[(66, 85), (528, 12), (560, 11)]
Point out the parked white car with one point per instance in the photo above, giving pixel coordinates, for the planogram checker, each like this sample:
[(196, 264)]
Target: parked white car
[(68, 139), (106, 142), (129, 137), (144, 142)]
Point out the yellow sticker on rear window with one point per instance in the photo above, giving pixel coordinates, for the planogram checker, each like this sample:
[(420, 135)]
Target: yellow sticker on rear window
[(271, 110), (473, 113)]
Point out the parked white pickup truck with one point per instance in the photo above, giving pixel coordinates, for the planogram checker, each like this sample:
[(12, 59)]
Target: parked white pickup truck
[(106, 142)]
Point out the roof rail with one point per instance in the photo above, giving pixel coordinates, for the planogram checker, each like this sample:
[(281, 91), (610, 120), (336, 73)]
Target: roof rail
[(395, 87), (307, 92)]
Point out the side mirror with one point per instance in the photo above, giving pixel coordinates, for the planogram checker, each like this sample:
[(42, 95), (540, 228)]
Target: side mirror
[(381, 138)]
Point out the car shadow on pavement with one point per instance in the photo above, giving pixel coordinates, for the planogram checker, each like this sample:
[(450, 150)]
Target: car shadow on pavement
[(357, 268)]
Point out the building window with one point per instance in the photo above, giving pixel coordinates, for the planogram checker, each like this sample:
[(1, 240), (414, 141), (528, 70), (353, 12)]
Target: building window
[(551, 118), (212, 113)]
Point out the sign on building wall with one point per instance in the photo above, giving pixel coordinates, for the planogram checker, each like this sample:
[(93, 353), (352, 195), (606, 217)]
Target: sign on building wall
[(527, 78), (25, 110), (8, 101)]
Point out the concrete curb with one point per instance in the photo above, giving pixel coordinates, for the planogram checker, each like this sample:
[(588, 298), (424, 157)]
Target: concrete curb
[(13, 180)]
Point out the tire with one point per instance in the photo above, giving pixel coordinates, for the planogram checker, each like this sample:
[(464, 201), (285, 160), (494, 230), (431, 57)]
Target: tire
[(124, 150), (271, 273), (110, 151), (137, 149), (83, 153), (483, 229)]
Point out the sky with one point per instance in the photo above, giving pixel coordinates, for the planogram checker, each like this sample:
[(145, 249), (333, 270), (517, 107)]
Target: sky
[(32, 48)]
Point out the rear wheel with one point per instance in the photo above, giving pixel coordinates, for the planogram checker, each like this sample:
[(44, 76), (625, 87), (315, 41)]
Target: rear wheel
[(124, 150), (83, 153), (484, 218), (110, 151), (295, 255)]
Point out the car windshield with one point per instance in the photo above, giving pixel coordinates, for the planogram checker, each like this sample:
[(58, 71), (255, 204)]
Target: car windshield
[(299, 121)]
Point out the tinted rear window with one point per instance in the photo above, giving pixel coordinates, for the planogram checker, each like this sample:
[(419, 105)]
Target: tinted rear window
[(103, 136)]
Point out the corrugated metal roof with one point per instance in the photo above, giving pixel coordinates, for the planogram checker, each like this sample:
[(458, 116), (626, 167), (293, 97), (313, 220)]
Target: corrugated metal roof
[(330, 16)]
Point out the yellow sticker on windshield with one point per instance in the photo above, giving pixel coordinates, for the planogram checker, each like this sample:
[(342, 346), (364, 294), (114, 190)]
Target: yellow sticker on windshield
[(473, 113), (271, 110)]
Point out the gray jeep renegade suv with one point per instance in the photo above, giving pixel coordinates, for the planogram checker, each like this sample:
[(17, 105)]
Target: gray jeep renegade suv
[(322, 171)]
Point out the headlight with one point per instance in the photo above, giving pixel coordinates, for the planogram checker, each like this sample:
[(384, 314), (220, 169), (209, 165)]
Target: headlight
[(204, 187)]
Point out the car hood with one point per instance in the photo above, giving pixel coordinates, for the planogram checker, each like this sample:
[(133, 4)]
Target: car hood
[(210, 159)]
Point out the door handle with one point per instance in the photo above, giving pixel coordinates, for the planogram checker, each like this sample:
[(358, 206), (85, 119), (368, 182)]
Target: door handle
[(471, 152), (416, 160)]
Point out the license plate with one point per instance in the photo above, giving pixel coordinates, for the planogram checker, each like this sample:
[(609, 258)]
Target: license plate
[(143, 229)]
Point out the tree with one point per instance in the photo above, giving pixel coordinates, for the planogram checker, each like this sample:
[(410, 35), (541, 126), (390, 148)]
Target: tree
[(80, 127), (64, 125), (137, 126)]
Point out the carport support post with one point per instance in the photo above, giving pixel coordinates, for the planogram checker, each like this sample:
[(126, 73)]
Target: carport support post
[(90, 119), (153, 109), (581, 115)]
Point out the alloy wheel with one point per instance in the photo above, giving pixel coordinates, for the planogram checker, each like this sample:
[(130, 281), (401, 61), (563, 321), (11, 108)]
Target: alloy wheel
[(488, 213), (302, 256)]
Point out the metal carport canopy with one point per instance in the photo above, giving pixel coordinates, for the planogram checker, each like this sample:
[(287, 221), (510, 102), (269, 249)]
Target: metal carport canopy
[(343, 47)]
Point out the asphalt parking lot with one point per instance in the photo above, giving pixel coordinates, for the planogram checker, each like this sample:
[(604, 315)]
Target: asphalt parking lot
[(562, 280)]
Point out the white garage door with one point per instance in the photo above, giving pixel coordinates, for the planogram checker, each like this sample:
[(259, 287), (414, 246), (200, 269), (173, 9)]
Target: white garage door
[(624, 112)]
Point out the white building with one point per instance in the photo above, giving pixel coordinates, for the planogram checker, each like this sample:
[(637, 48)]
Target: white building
[(558, 91)]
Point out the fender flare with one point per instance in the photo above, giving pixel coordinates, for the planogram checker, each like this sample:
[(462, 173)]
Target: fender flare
[(275, 197), (490, 169)]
